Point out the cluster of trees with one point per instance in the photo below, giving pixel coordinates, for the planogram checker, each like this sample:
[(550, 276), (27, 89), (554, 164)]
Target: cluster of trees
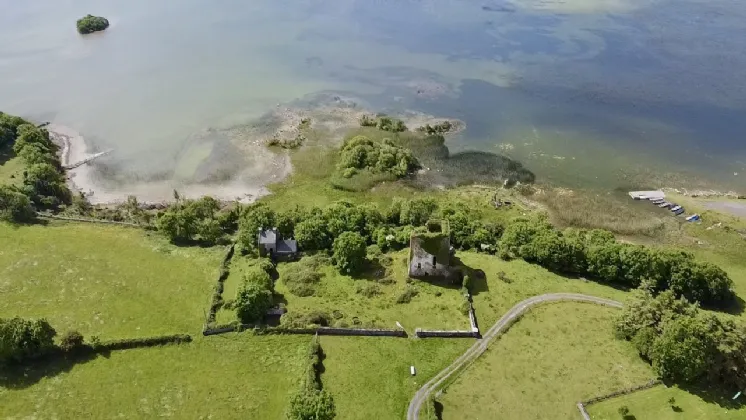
[(684, 344), (361, 153), (90, 23), (311, 401), (592, 253), (43, 180), (384, 123), (599, 256), (22, 340), (196, 220)]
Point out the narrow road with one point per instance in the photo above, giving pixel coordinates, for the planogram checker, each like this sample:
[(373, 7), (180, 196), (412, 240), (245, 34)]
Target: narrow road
[(480, 346)]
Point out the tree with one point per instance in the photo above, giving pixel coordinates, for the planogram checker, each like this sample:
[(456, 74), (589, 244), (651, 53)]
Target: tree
[(8, 128), (520, 233), (313, 233), (89, 24), (22, 339), (684, 352), (14, 205), (417, 211), (45, 185), (176, 225), (252, 302), (254, 217), (350, 252)]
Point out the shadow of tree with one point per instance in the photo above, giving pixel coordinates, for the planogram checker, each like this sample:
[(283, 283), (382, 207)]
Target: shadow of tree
[(438, 410), (6, 153), (24, 375), (735, 306), (713, 395)]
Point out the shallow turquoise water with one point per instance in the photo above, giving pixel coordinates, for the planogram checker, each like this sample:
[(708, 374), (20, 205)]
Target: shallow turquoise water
[(549, 82)]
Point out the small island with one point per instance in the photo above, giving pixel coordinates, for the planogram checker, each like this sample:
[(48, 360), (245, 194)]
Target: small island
[(90, 24)]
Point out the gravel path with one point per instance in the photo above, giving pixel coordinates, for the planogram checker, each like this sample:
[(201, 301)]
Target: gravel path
[(480, 346)]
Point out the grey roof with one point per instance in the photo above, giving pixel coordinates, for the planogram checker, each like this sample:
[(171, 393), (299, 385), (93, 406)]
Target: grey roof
[(287, 246), (267, 236)]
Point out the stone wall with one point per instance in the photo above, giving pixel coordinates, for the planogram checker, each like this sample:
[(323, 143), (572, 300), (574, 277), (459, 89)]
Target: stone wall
[(420, 333)]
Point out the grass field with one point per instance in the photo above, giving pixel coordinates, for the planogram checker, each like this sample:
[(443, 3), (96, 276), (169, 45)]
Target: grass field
[(237, 376), (112, 282), (653, 404), (556, 355), (521, 280), (370, 377)]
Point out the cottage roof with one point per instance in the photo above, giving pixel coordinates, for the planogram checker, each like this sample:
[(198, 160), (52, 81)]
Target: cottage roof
[(287, 246), (268, 237)]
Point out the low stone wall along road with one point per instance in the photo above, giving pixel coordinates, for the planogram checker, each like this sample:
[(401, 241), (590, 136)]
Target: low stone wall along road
[(496, 330)]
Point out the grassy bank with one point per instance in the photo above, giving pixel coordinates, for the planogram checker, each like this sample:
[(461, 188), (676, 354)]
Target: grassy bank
[(102, 280), (553, 357)]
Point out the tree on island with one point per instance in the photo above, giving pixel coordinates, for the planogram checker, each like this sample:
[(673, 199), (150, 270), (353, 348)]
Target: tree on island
[(90, 24)]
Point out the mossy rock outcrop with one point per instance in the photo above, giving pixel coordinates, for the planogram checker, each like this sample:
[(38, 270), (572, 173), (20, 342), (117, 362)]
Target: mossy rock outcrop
[(90, 24)]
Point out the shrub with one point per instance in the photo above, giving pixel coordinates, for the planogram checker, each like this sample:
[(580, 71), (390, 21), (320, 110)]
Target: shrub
[(15, 206), (22, 339), (305, 320), (407, 295), (293, 143), (71, 341), (369, 290), (89, 24), (350, 252)]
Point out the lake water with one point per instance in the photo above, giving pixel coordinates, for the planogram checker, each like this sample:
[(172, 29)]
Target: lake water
[(584, 92)]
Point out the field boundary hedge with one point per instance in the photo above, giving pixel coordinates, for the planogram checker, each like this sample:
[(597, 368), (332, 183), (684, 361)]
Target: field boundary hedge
[(217, 296), (222, 329), (136, 343)]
